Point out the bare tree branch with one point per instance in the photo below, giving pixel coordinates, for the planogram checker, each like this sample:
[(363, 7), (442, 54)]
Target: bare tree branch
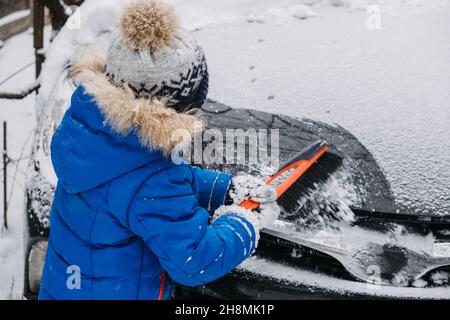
[(20, 95)]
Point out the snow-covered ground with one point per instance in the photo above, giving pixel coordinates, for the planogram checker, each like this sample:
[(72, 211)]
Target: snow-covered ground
[(388, 86), (16, 53)]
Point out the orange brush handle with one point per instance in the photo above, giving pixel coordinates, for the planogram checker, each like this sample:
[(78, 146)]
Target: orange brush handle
[(300, 166)]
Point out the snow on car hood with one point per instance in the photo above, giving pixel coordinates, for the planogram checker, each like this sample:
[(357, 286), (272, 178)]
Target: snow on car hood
[(388, 87)]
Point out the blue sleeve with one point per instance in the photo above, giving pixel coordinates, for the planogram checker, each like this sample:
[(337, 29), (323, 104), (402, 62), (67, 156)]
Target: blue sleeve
[(167, 215), (210, 187)]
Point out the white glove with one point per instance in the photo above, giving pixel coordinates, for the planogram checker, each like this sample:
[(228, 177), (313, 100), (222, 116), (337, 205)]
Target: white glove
[(246, 186), (263, 217), (267, 214)]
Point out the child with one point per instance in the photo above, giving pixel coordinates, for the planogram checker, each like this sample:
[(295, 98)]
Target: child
[(126, 220)]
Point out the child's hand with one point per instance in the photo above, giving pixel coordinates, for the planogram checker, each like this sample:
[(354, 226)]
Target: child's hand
[(267, 214), (263, 217), (244, 187)]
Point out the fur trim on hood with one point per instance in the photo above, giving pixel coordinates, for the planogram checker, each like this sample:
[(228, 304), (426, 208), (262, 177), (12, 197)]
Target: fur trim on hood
[(154, 122)]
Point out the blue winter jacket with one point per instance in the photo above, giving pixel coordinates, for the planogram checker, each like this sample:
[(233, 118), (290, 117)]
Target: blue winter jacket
[(127, 221)]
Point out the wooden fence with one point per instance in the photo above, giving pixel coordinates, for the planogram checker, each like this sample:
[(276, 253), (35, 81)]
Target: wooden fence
[(15, 17), (10, 6)]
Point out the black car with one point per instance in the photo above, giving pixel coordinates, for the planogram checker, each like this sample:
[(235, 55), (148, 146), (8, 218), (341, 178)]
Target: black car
[(304, 273), (281, 268)]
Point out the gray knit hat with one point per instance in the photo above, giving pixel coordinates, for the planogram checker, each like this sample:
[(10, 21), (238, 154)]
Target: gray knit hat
[(156, 58)]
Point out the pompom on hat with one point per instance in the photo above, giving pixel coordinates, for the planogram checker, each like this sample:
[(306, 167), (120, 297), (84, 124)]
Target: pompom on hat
[(156, 58), (148, 24)]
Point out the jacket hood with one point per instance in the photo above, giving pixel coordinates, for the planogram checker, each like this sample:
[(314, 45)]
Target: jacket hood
[(108, 132)]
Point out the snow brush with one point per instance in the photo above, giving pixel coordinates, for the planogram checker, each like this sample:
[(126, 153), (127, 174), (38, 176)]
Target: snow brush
[(298, 165), (396, 265)]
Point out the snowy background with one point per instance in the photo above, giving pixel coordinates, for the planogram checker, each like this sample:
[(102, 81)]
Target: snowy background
[(389, 85)]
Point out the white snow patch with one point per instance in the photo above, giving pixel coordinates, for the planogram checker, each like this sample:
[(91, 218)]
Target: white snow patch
[(420, 283), (16, 53), (14, 17), (301, 11), (440, 278), (251, 187)]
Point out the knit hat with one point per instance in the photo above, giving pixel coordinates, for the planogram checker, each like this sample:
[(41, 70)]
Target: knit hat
[(156, 58)]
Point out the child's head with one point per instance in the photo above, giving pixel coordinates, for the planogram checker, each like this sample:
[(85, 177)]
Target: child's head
[(156, 58)]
